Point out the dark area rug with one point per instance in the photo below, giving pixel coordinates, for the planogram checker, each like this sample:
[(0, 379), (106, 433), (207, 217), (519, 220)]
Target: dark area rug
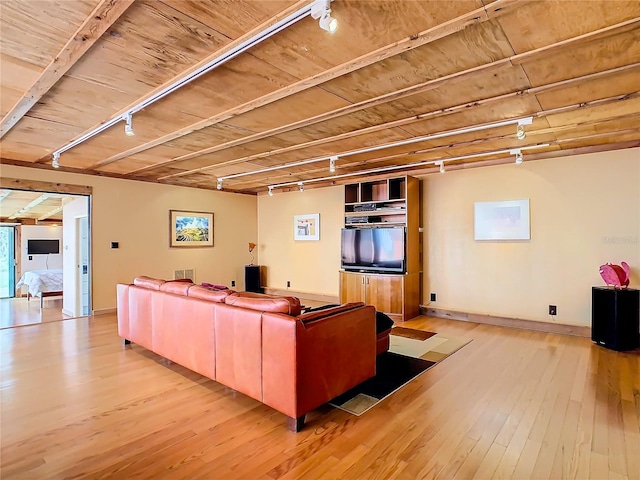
[(392, 372)]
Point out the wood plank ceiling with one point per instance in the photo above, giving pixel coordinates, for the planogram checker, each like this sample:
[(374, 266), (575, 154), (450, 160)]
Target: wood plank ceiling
[(31, 207), (394, 70)]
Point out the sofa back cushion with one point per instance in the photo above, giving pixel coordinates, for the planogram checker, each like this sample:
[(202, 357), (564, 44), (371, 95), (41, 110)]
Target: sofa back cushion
[(265, 303), (327, 312), (210, 294), (148, 282), (177, 288)]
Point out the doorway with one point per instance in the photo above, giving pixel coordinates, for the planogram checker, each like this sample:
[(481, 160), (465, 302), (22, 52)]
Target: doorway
[(7, 261), (44, 212)]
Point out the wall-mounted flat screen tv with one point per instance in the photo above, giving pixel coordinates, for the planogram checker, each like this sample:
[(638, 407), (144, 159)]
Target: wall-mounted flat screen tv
[(373, 249), (43, 247)]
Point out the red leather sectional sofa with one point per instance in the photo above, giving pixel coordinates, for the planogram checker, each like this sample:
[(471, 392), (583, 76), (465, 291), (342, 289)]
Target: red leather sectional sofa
[(259, 345)]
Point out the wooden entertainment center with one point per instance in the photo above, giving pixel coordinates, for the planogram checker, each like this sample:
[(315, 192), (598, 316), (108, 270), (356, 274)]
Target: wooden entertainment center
[(389, 202)]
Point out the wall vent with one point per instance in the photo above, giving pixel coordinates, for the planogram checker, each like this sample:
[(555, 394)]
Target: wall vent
[(190, 273), (186, 273)]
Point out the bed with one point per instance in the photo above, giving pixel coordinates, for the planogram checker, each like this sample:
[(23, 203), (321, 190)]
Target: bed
[(42, 283)]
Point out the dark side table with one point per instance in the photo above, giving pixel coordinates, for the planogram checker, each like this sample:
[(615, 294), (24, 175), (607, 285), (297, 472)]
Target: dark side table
[(615, 317)]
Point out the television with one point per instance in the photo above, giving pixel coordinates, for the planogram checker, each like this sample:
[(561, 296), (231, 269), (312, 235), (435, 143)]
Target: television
[(43, 247), (379, 249)]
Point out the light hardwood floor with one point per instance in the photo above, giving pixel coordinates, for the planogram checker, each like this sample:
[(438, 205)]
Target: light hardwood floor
[(76, 403), (15, 312)]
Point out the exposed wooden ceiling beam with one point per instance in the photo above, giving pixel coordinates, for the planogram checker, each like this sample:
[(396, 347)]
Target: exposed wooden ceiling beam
[(475, 17), (392, 96), (30, 205), (51, 213), (38, 186), (542, 114), (102, 17), (409, 120), (420, 88), (427, 170)]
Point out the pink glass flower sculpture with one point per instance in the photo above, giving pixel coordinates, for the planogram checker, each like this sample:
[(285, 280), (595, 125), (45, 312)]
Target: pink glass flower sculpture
[(616, 275)]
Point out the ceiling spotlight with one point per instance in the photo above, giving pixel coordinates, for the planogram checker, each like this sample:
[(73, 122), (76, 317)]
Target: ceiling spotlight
[(519, 158), (56, 160), (518, 154), (128, 127), (300, 186), (441, 167), (321, 10), (271, 191), (219, 185), (520, 133), (332, 164)]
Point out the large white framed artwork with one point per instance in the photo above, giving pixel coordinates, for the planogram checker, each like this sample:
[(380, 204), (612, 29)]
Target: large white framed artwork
[(507, 220)]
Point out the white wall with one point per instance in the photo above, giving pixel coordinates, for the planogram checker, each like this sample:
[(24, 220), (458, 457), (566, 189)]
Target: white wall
[(40, 232), (70, 213), (310, 266), (584, 211)]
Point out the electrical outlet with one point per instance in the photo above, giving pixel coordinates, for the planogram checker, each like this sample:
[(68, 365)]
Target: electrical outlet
[(288, 283), (233, 283), (433, 297), (553, 310)]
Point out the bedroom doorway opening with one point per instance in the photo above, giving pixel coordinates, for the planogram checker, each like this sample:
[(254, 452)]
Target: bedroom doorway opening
[(50, 261), (7, 261)]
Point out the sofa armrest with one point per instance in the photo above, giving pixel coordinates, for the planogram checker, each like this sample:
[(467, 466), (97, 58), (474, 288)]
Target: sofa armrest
[(306, 365), (123, 310)]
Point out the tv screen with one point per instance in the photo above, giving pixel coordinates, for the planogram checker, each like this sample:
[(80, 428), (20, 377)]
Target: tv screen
[(43, 247), (373, 249)]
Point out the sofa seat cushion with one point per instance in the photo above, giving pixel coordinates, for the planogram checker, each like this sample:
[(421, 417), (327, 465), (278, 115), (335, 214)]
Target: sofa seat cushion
[(265, 303), (210, 294), (327, 312), (148, 282)]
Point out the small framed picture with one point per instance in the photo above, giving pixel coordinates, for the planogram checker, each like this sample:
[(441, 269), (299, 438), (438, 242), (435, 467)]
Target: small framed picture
[(306, 227)]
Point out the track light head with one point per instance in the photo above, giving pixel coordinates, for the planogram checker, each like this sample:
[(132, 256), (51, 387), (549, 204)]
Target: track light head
[(56, 160), (301, 186), (441, 167), (518, 154), (519, 158), (520, 133), (332, 164), (128, 126), (271, 191), (328, 23), (219, 185), (321, 10)]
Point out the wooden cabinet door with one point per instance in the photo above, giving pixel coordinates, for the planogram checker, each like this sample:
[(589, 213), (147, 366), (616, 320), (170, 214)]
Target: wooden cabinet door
[(351, 287), (385, 292)]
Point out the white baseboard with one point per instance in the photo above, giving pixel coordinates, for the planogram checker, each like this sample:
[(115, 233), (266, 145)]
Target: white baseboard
[(67, 312), (575, 330)]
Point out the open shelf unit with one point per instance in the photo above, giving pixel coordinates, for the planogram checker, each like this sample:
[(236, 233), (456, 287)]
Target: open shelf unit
[(388, 202)]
